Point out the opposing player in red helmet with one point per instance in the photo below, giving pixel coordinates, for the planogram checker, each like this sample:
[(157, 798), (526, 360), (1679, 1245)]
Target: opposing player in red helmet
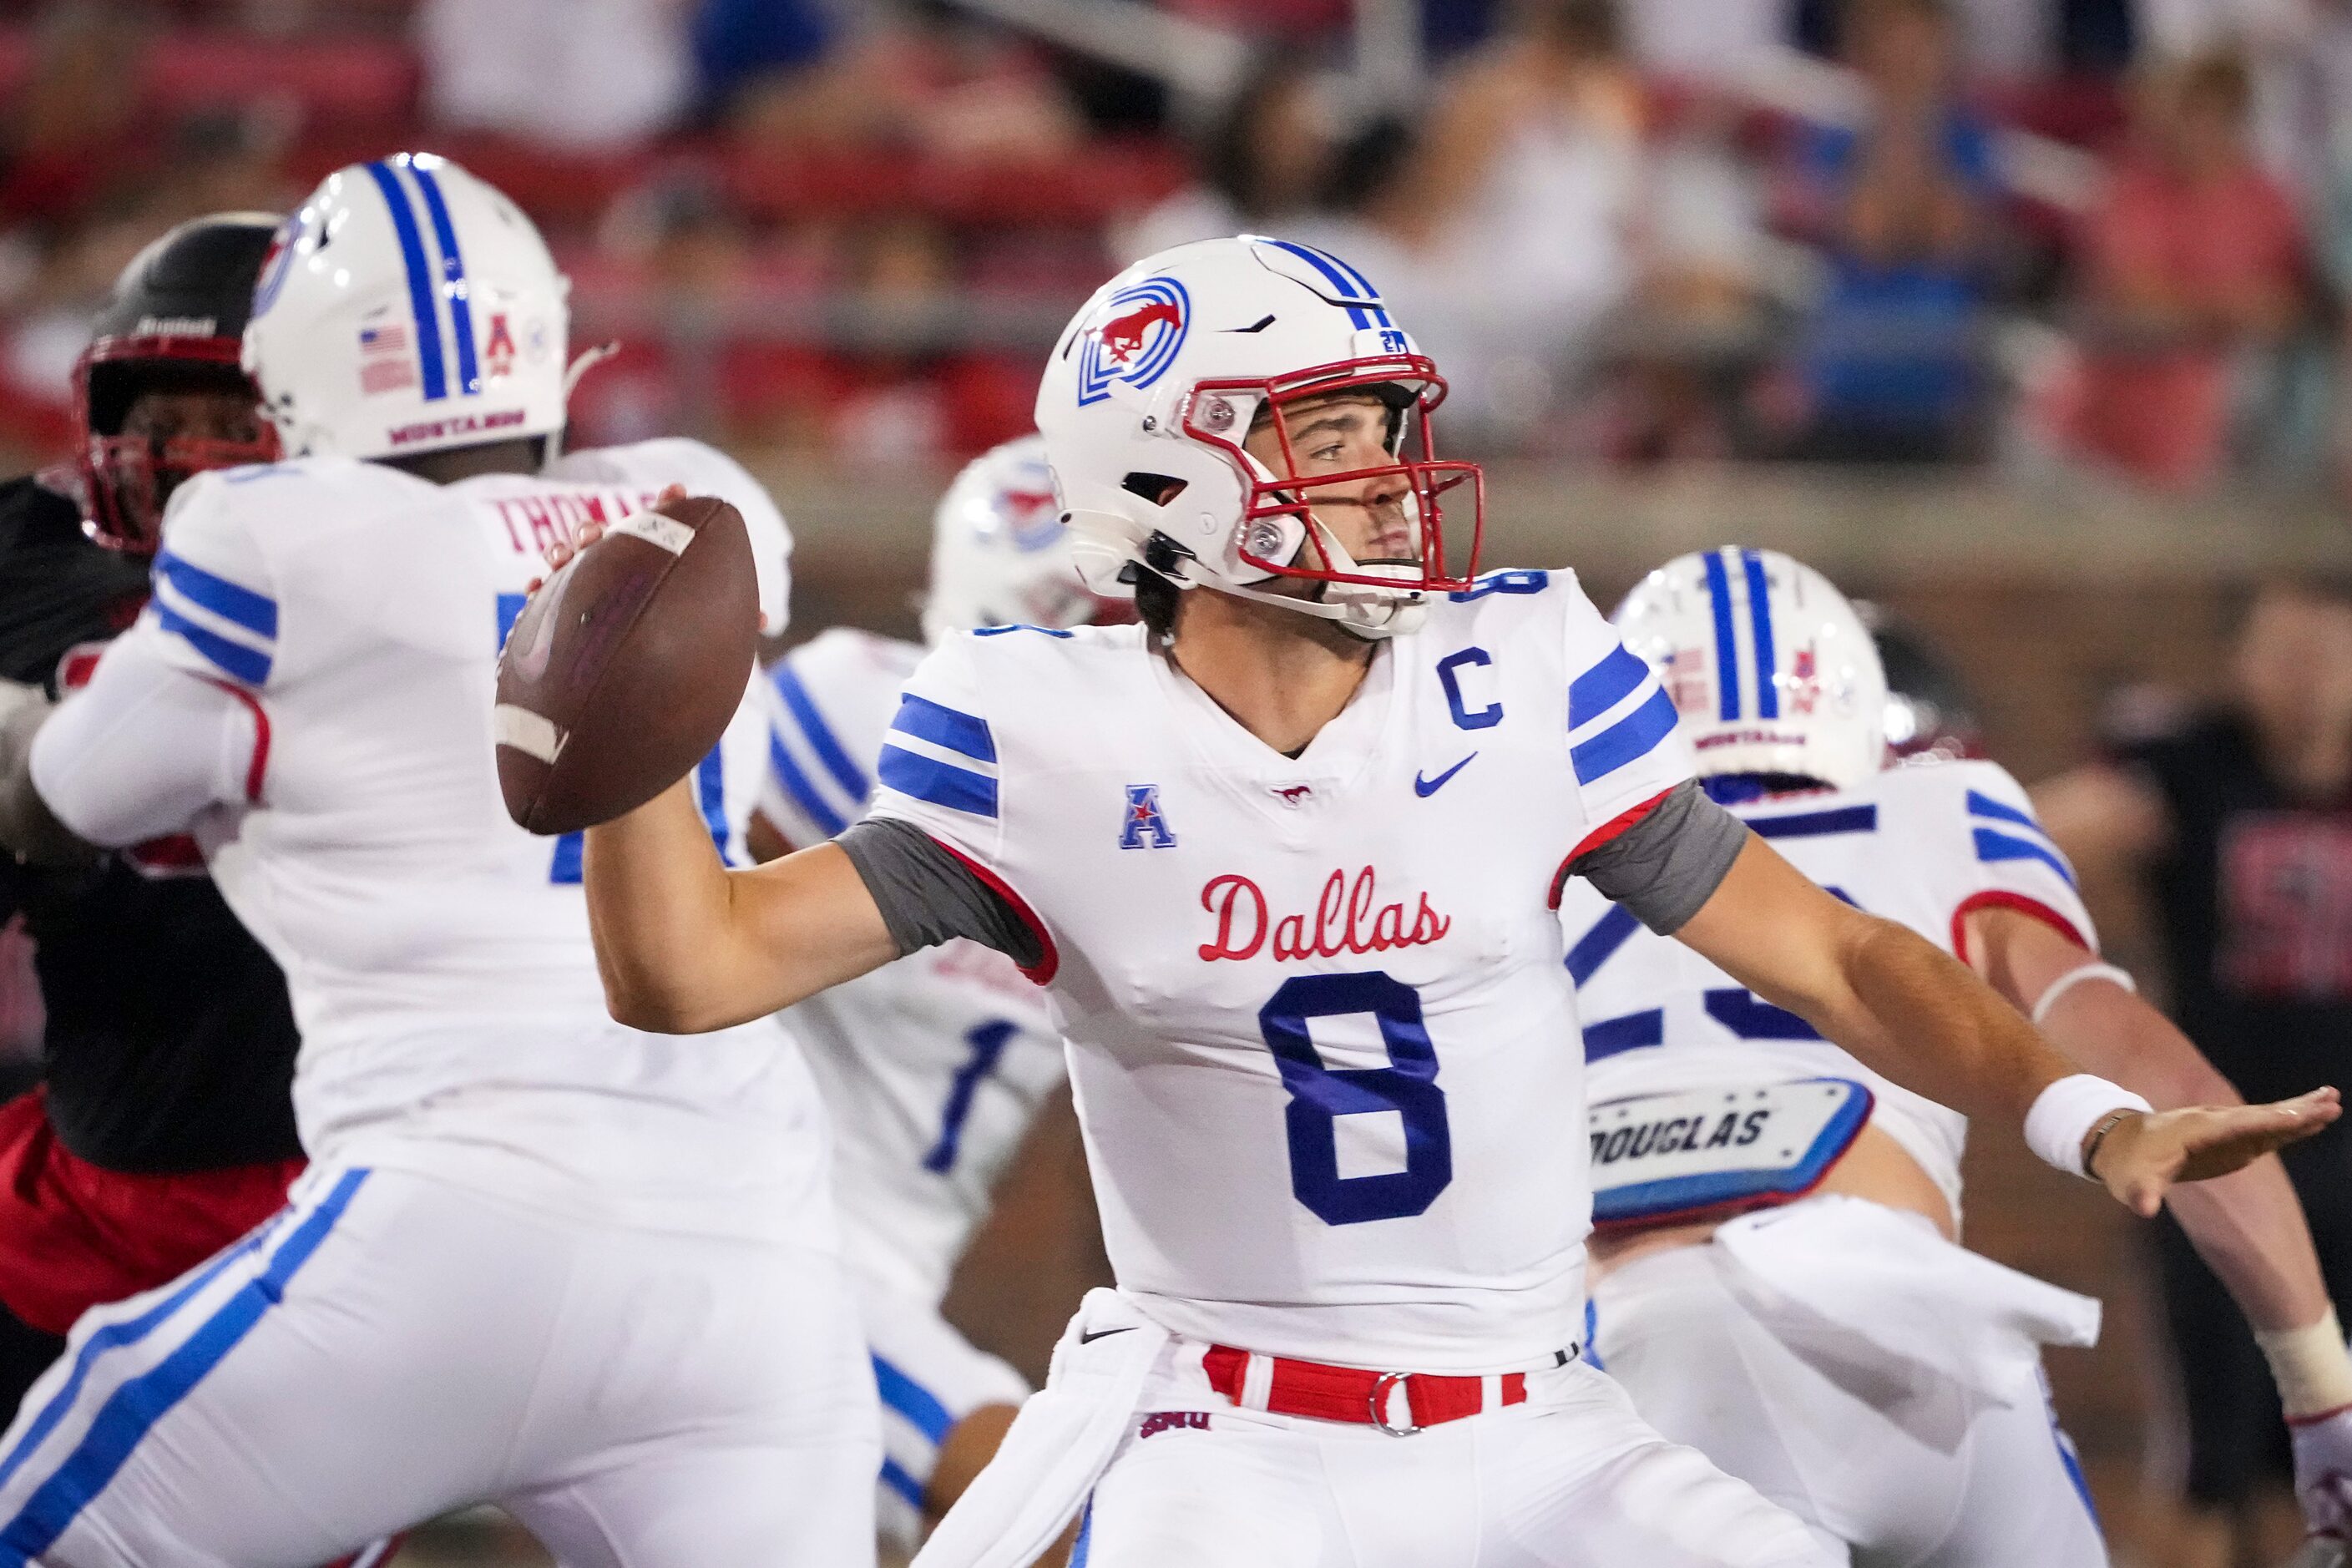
[(161, 1129)]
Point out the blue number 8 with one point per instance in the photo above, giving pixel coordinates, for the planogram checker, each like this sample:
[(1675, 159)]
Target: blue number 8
[(1320, 1096)]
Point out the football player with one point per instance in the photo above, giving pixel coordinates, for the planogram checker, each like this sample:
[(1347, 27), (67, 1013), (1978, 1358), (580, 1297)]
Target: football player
[(538, 1258), (1287, 858), (162, 1130), (933, 1068), (1833, 1345)]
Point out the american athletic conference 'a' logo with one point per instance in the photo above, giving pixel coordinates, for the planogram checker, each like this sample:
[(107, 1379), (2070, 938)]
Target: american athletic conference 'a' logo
[(1143, 328)]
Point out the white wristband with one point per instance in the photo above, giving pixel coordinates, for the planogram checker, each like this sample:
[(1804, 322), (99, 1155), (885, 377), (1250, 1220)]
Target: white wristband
[(2067, 982), (2064, 1113), (2311, 1367)]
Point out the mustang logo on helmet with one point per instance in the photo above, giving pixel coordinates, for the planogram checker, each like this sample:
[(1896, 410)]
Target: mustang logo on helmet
[(1138, 342)]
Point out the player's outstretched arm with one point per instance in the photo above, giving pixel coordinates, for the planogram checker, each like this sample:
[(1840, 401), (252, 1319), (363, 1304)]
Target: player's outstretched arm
[(2248, 1226), (1920, 1017), (685, 945)]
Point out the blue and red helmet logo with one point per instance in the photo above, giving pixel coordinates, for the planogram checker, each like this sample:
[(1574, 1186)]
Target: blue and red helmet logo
[(1138, 341)]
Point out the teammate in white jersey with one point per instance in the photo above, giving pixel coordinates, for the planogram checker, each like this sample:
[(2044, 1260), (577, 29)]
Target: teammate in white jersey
[(932, 1067), (1286, 858), (539, 1257), (1835, 1347)]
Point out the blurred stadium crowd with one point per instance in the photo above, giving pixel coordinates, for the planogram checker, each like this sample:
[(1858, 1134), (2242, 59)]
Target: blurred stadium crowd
[(1922, 230)]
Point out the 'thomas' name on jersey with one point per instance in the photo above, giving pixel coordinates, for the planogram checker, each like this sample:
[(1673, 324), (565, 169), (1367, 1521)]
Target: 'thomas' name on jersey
[(1923, 845), (437, 955), (1313, 1006), (931, 1068)]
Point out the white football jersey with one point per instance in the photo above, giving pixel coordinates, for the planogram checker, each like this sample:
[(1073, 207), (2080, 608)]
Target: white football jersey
[(437, 955), (1313, 1005), (932, 1067), (1923, 845)]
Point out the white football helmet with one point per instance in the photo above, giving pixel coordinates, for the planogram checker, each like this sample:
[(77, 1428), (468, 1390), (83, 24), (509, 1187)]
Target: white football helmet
[(1000, 556), (406, 306), (1768, 664), (1164, 372)]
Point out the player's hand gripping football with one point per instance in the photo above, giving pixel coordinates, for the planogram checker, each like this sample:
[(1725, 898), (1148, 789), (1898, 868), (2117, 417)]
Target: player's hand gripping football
[(2142, 1156), (562, 550)]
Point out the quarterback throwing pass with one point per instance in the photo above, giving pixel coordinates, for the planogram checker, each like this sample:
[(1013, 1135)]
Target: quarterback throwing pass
[(1285, 857)]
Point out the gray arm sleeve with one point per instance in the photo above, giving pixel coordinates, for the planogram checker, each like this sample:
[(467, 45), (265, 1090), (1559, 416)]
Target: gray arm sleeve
[(927, 896), (1665, 866)]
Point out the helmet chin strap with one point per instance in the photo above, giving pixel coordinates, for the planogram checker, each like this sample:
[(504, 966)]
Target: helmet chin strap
[(1371, 613)]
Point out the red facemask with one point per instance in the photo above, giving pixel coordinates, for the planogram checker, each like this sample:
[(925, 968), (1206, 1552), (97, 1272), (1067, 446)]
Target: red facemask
[(127, 479), (1211, 417)]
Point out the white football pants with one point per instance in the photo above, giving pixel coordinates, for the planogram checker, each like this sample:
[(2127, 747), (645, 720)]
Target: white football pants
[(390, 1347), (1572, 1478), (1912, 1464)]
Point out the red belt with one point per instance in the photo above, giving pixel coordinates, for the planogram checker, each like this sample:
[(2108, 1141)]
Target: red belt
[(1323, 1392)]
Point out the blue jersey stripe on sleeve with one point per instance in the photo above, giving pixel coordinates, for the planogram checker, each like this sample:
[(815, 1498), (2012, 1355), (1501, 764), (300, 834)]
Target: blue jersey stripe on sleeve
[(1983, 805), (912, 1400), (927, 778), (821, 739), (1817, 824), (1726, 654), (248, 665), (1600, 944), (1611, 1035), (942, 726), (803, 793), (1635, 735), (1995, 846), (256, 612), (1605, 685)]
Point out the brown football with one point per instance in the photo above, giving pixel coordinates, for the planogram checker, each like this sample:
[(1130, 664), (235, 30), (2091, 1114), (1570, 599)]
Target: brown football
[(623, 670)]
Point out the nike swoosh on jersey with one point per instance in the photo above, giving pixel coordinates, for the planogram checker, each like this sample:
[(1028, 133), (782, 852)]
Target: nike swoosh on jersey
[(1088, 1339), (1427, 787)]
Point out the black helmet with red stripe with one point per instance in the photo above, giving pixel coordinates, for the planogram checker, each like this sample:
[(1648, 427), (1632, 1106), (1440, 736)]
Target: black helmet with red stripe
[(174, 323)]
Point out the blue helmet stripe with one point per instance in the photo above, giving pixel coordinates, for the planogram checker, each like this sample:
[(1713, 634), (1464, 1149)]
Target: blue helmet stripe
[(1759, 619), (453, 277), (1315, 258), (1727, 656), (420, 281), (1371, 294)]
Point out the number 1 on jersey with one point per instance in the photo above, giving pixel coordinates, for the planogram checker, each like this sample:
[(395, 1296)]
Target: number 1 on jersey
[(1320, 1096)]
